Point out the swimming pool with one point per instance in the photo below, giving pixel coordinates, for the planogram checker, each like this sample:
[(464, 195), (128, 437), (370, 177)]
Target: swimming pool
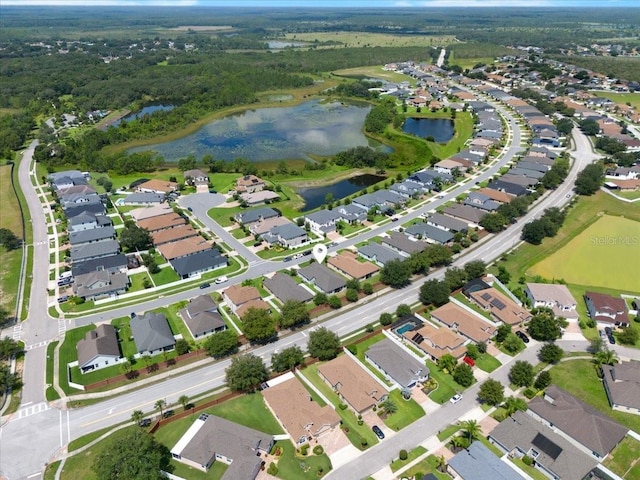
[(405, 328)]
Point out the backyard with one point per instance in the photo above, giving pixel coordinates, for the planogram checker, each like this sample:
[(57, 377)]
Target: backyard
[(447, 386), (624, 460)]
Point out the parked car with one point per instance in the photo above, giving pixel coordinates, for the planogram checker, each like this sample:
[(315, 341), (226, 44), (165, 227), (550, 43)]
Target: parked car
[(145, 422), (168, 413), (523, 336), (133, 315), (378, 432), (220, 280), (333, 244), (286, 259), (63, 298), (205, 285), (297, 255), (456, 398), (608, 332), (394, 219), (190, 209)]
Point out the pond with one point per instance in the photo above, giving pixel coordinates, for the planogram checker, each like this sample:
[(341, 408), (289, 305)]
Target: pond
[(278, 44), (315, 196), (148, 110), (278, 133), (441, 129)]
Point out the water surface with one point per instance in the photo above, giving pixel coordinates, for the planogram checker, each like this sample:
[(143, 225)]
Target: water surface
[(316, 196), (441, 129)]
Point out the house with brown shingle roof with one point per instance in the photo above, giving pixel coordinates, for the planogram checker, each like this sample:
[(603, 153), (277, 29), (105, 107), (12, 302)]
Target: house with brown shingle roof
[(502, 308), (606, 309), (622, 384), (237, 295), (496, 195), (464, 322), (348, 264), (168, 220), (589, 429), (160, 237), (355, 387), (249, 184), (302, 418), (157, 186), (258, 304), (184, 247), (437, 342), (143, 213)]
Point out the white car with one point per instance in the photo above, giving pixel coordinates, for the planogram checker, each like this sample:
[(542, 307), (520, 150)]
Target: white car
[(220, 280), (456, 398)]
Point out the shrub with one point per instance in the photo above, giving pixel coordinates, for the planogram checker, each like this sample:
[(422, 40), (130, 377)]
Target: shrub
[(342, 406), (386, 319), (529, 392), (272, 470), (318, 450), (363, 442), (527, 460), (304, 449), (369, 328), (403, 454), (367, 288), (353, 349), (334, 302)]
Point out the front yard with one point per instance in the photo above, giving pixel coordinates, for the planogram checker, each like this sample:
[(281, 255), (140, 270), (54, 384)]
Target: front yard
[(624, 460), (447, 386)]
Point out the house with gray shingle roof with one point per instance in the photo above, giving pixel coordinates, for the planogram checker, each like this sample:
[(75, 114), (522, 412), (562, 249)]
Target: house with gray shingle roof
[(622, 384), (527, 173), (143, 198), (402, 244), (202, 318), (378, 254), (89, 251), (472, 215), (151, 333), (408, 188), (92, 235), (481, 201), (351, 214), (383, 199), (424, 231), (396, 364), (445, 222), (99, 284), (322, 221), (250, 216), (288, 235), (99, 348), (478, 462), (285, 288), (111, 264), (323, 278)]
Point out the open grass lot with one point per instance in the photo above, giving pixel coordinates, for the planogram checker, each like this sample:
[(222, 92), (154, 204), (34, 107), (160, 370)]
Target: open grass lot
[(447, 386), (51, 392), (624, 459), (632, 98), (629, 194), (424, 467), (408, 412), (362, 39), (579, 378), (469, 62), (588, 258), (397, 464), (375, 71), (10, 260)]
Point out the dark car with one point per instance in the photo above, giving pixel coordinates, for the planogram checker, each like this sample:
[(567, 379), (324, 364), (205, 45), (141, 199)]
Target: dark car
[(145, 422), (133, 315), (190, 209), (523, 336), (608, 331), (168, 413), (63, 298), (378, 432), (612, 339), (205, 285), (286, 259)]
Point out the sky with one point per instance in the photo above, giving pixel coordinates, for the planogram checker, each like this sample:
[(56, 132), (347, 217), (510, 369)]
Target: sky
[(338, 3)]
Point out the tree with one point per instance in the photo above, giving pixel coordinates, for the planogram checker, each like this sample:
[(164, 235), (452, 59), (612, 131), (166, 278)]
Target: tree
[(323, 344), (434, 292), (491, 392), (293, 314), (320, 298), (590, 179), (472, 351), (455, 278), (246, 373), (184, 401), (544, 326), (8, 348), (550, 353), (160, 404), (606, 357), (534, 232), (590, 127), (628, 336), (396, 273), (463, 375), (9, 239), (521, 373), (287, 359), (543, 380), (513, 404), (132, 453), (388, 406), (182, 346), (367, 288), (403, 310), (386, 319), (334, 302), (258, 326), (137, 416), (482, 347), (475, 269), (351, 295), (503, 275), (447, 363), (133, 238), (470, 430), (493, 222), (221, 344), (513, 343), (502, 332)]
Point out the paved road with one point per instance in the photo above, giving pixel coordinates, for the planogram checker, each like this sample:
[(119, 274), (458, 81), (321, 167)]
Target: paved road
[(55, 428)]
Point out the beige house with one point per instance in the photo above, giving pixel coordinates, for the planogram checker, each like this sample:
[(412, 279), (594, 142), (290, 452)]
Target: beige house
[(249, 184), (502, 308), (348, 264), (157, 186), (465, 323), (437, 342)]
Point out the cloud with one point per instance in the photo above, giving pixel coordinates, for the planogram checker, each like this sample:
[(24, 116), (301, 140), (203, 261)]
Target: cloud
[(102, 3)]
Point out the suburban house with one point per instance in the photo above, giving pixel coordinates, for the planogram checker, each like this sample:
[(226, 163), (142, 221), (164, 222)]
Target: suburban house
[(160, 237), (396, 364), (447, 223), (151, 333), (508, 187), (289, 235), (249, 184), (477, 462), (552, 454), (74, 199), (199, 263), (378, 254), (424, 231), (66, 179), (264, 226), (86, 221), (93, 208), (99, 284), (256, 215), (184, 247), (587, 428), (88, 251), (496, 195), (322, 221), (347, 263), (168, 220), (142, 198), (437, 342), (351, 214), (302, 418), (464, 322), (195, 177), (92, 235), (607, 309), (402, 244), (355, 387), (622, 384), (149, 212), (112, 264), (201, 317), (471, 215), (481, 201), (157, 186), (323, 278), (236, 296), (212, 439), (285, 288), (502, 308), (256, 198), (408, 189), (556, 297), (381, 199), (99, 348)]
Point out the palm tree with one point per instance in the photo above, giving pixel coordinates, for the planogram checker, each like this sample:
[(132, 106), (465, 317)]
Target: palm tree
[(137, 416), (513, 404), (441, 463), (470, 429), (457, 443), (389, 406), (447, 362), (160, 404), (606, 357), (184, 401)]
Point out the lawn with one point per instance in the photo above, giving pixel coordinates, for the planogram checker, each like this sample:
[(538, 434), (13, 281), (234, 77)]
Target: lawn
[(249, 410), (164, 276), (68, 354), (447, 386), (588, 257), (623, 460), (447, 432), (176, 323), (50, 393), (294, 467), (361, 39), (127, 345), (579, 378), (408, 412), (531, 471), (424, 467), (397, 464), (487, 363), (137, 281), (11, 260), (632, 98)]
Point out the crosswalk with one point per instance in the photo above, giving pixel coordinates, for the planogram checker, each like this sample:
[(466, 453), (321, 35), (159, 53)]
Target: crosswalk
[(62, 326), (17, 332), (36, 345), (32, 410)]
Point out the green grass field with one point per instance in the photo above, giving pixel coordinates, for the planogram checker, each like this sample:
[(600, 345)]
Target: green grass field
[(589, 257), (623, 460), (11, 260), (632, 98), (361, 39), (374, 72)]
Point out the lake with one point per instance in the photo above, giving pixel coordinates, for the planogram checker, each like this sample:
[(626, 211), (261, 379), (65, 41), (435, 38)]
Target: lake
[(148, 110), (278, 133), (441, 129), (315, 196)]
